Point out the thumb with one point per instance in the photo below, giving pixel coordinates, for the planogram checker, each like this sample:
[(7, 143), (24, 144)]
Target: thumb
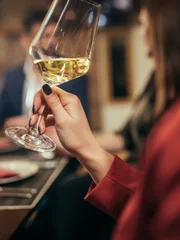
[(53, 101)]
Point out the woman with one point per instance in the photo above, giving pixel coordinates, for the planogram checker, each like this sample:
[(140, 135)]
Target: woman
[(145, 202)]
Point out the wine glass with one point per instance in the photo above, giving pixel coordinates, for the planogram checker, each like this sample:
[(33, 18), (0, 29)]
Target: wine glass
[(62, 51)]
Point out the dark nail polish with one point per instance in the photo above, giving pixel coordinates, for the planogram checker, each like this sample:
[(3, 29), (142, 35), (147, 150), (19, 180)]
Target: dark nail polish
[(39, 130), (29, 122), (46, 89), (33, 109)]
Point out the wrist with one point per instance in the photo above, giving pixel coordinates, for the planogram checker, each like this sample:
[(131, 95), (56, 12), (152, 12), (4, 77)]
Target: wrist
[(96, 160)]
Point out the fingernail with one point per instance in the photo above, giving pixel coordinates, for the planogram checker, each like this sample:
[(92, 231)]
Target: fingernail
[(29, 122), (33, 109), (39, 130), (46, 89)]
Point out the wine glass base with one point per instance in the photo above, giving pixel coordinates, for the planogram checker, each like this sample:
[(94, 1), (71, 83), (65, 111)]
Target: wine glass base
[(30, 139)]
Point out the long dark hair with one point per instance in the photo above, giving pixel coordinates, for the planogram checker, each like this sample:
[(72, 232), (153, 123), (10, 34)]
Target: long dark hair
[(165, 25)]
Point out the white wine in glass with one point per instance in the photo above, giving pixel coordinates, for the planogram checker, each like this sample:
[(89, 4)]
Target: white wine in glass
[(62, 51), (57, 71)]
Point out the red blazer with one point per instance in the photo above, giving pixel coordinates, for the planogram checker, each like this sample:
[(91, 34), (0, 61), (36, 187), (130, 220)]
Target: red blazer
[(146, 203)]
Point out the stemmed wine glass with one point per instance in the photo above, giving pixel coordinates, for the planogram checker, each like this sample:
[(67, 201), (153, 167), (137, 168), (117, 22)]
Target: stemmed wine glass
[(62, 51)]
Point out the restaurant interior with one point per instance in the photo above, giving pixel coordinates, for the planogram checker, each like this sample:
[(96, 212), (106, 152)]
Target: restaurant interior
[(118, 73), (106, 109)]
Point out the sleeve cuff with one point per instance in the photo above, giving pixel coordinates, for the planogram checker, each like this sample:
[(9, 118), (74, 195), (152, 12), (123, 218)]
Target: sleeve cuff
[(111, 194)]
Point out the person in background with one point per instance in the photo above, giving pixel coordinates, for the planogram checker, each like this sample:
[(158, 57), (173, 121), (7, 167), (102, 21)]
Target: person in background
[(145, 202), (132, 135), (21, 83)]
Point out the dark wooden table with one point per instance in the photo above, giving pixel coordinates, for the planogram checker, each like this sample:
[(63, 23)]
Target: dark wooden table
[(14, 210)]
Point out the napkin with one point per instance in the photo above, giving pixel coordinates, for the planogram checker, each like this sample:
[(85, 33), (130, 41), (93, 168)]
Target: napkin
[(5, 173)]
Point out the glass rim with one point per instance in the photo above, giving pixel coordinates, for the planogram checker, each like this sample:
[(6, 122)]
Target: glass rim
[(92, 3)]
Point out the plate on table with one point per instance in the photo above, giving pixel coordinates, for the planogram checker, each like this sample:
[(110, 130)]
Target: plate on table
[(22, 168)]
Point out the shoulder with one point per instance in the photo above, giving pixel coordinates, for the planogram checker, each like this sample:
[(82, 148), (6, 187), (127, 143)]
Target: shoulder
[(14, 71), (14, 75), (163, 143)]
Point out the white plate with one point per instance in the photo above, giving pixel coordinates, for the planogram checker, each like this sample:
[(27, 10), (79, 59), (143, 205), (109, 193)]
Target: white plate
[(24, 169)]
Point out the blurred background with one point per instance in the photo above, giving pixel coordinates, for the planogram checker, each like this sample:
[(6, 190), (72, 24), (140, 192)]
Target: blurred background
[(119, 68)]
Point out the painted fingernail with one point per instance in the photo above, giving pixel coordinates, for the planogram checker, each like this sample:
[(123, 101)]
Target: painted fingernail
[(46, 89), (29, 122), (33, 109), (39, 130)]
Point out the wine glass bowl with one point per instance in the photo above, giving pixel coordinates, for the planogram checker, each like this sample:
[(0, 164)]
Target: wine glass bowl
[(57, 71), (62, 51)]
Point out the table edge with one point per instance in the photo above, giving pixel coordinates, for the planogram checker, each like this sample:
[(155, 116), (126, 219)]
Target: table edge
[(59, 168)]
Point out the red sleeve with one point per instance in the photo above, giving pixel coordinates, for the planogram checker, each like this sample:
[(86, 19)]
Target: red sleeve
[(161, 194), (165, 224), (113, 192)]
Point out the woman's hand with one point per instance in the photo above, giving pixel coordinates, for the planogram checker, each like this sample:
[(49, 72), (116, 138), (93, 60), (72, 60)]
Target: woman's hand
[(68, 117), (60, 150), (72, 128)]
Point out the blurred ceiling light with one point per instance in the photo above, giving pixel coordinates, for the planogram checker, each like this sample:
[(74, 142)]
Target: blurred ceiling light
[(91, 17), (122, 4), (102, 21)]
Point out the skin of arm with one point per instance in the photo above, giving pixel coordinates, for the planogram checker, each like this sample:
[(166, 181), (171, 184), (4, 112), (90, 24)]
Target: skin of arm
[(110, 142)]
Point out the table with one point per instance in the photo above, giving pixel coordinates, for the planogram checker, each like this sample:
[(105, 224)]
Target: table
[(13, 211)]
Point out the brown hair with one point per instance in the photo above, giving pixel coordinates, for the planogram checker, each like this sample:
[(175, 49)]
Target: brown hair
[(165, 23)]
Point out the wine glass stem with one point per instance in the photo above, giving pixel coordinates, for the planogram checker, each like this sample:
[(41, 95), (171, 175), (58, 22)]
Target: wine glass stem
[(40, 117)]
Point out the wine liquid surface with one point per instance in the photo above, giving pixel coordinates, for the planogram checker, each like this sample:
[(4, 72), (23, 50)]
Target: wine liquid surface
[(57, 71)]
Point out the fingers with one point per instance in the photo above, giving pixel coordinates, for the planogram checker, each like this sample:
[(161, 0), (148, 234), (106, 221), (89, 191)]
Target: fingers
[(66, 97), (38, 102), (52, 99), (55, 101), (45, 123), (55, 98), (33, 118), (40, 108), (50, 121)]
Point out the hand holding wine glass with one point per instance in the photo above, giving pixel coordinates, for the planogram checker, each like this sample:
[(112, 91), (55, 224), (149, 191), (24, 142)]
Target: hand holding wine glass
[(61, 52), (66, 114), (70, 122)]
